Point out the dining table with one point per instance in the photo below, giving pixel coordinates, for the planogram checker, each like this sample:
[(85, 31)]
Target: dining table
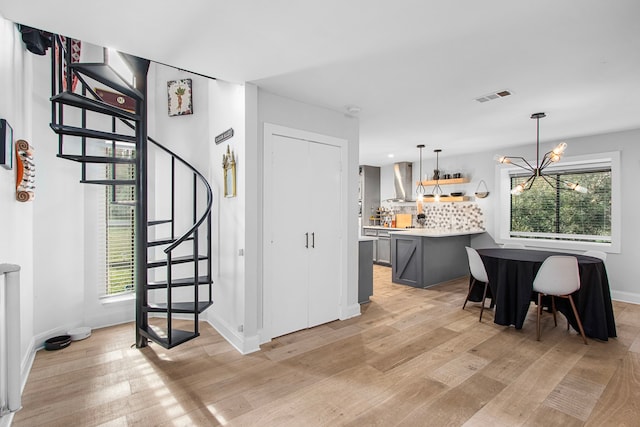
[(511, 273)]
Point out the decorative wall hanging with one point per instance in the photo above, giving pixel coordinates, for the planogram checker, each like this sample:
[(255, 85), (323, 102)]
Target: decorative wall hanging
[(482, 191), (179, 94), (229, 166), (6, 145), (224, 136), (25, 172)]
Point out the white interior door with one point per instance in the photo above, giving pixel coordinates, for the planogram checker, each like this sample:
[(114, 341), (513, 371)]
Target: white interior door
[(302, 250), (288, 256), (324, 255)]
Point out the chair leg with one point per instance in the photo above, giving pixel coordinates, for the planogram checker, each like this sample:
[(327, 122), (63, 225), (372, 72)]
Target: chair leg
[(484, 295), (553, 308), (539, 312), (473, 283), (575, 313)]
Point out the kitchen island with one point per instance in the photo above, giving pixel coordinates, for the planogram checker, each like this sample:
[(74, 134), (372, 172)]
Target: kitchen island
[(425, 257)]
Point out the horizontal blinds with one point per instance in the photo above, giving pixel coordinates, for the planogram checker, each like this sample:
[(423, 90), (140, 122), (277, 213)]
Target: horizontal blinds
[(118, 228), (547, 213)]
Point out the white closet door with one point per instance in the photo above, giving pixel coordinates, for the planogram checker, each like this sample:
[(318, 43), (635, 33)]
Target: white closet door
[(288, 258), (324, 256)]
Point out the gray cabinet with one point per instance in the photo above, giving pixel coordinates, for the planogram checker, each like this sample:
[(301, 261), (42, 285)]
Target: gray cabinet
[(365, 270), (382, 246), (383, 253)]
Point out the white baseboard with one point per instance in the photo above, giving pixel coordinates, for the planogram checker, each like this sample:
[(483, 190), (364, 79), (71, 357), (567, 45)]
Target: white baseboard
[(622, 296), (5, 420), (350, 311), (244, 344)]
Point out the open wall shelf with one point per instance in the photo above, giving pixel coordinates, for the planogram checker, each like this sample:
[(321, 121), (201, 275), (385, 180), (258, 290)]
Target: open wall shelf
[(445, 181), (448, 199)]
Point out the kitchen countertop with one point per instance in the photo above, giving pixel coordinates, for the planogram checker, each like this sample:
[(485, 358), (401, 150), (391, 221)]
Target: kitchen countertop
[(367, 238), (379, 227), (427, 232)]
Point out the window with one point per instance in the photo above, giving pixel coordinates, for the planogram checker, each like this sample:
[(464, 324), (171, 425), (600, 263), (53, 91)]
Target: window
[(556, 213), (558, 219), (119, 230)]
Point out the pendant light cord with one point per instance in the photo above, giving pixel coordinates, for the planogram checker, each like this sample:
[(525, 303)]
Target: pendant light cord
[(420, 190)]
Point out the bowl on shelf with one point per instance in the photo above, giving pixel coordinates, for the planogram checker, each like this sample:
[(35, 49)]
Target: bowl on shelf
[(457, 194)]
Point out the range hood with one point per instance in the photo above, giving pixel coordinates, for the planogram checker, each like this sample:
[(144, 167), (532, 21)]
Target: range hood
[(402, 182)]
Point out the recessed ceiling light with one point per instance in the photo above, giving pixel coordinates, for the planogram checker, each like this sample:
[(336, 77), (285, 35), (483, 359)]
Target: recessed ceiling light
[(391, 156)]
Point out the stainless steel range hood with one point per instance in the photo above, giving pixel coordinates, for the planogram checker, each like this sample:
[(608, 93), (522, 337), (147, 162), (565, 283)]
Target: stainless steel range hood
[(402, 181)]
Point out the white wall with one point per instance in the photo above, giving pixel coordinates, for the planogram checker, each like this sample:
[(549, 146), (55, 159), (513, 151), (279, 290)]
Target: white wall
[(482, 166), (59, 209), (16, 243), (230, 215)]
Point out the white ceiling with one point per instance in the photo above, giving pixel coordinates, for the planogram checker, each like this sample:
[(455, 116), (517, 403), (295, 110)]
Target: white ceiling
[(413, 67)]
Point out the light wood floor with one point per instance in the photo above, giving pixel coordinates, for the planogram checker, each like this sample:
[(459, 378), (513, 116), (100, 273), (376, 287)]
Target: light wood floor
[(413, 358)]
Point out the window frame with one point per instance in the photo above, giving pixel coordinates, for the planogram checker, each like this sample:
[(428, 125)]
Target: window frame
[(587, 162)]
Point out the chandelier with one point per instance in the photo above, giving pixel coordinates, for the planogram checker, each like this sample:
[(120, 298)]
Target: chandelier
[(550, 157)]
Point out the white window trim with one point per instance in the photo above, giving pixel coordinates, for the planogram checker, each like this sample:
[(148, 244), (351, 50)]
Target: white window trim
[(612, 158), (117, 298)]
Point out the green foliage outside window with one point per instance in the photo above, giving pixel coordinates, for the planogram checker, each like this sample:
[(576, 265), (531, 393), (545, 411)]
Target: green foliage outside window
[(120, 228), (544, 209)]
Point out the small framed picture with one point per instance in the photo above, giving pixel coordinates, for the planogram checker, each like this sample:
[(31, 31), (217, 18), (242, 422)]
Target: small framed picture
[(6, 145), (179, 96)]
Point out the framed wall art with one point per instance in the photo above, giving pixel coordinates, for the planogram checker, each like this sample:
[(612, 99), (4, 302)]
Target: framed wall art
[(229, 166), (180, 97), (6, 145)]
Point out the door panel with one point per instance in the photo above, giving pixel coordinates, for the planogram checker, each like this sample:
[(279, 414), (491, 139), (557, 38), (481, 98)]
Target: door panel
[(324, 263), (288, 256)]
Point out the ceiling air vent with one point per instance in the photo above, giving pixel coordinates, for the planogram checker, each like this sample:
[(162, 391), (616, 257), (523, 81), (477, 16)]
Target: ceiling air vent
[(494, 95)]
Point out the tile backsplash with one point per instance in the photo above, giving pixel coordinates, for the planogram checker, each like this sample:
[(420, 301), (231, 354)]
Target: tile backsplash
[(451, 216)]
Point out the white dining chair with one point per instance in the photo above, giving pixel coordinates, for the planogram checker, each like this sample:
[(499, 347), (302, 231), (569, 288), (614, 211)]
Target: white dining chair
[(478, 274), (513, 246), (596, 254), (558, 277)]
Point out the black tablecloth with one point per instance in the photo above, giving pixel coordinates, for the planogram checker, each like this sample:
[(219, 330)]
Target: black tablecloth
[(511, 273)]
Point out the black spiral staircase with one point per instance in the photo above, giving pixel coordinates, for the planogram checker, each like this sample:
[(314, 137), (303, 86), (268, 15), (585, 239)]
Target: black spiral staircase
[(84, 104)]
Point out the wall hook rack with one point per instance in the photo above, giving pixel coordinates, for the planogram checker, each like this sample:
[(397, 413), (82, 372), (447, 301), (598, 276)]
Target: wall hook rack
[(25, 171)]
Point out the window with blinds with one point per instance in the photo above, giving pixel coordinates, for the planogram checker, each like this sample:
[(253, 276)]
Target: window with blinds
[(118, 217), (544, 212)]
